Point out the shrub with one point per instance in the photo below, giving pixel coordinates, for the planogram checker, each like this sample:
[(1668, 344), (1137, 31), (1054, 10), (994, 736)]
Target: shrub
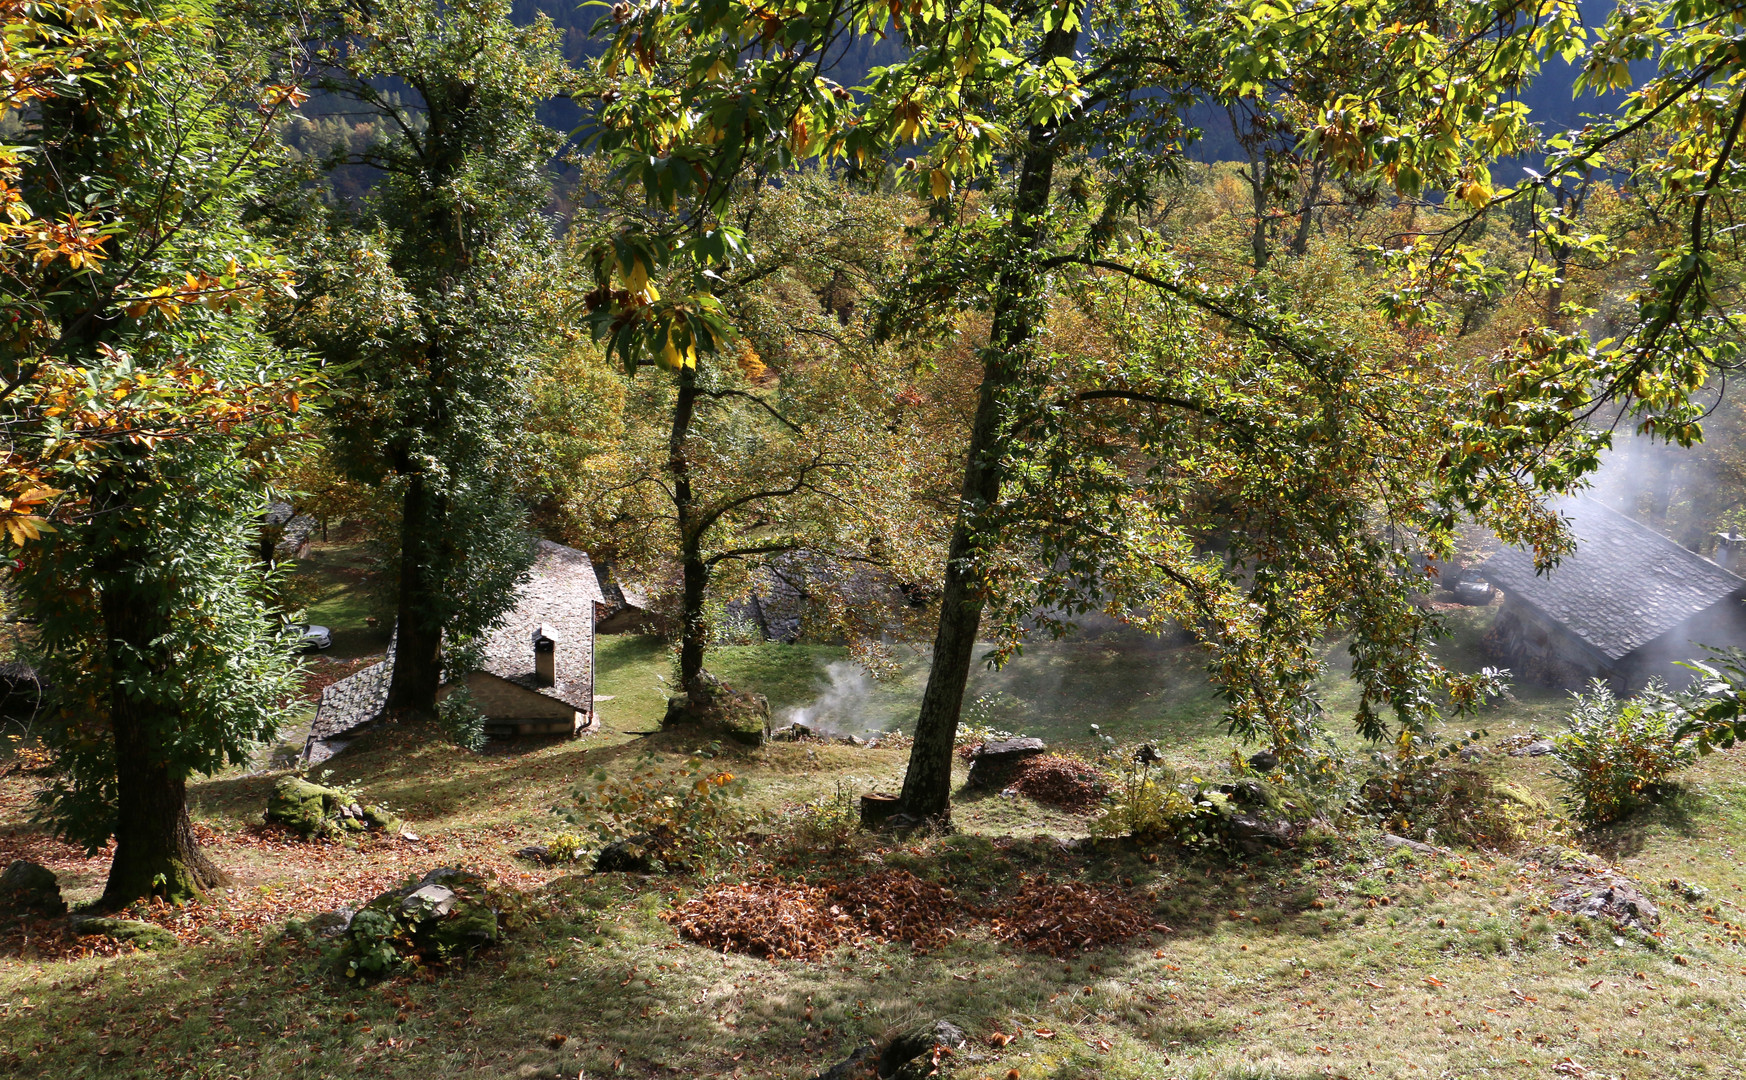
[(832, 822), (1422, 792), (460, 719), (565, 847), (1146, 802), (1618, 755), (677, 815)]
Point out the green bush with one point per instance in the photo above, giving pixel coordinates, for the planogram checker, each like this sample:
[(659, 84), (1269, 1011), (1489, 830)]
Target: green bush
[(832, 822), (1619, 755), (1147, 803), (566, 847), (676, 815), (460, 719)]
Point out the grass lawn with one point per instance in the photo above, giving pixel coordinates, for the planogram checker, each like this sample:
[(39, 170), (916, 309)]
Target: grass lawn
[(1339, 958)]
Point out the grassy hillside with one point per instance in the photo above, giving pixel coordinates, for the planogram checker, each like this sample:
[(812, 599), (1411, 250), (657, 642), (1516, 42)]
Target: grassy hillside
[(1336, 957)]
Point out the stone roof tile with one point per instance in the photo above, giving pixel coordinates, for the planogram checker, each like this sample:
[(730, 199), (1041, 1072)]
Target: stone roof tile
[(1624, 586)]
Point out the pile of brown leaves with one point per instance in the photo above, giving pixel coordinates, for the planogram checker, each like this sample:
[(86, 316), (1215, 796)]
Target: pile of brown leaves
[(793, 920), (898, 906), (53, 939), (1068, 916), (1068, 783), (783, 920)]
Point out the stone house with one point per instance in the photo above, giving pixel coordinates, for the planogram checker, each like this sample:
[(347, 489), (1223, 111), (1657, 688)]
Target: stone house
[(1625, 606), (536, 676)]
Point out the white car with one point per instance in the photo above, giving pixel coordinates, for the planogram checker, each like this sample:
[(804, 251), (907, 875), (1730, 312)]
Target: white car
[(316, 638)]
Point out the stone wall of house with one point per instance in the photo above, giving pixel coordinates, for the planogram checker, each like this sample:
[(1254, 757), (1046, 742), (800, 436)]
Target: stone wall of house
[(1537, 651), (499, 698), (1722, 626)]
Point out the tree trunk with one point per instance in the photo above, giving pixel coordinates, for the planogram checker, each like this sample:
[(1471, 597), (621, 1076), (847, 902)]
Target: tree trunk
[(927, 785), (418, 638), (155, 852), (1300, 242), (694, 630), (1257, 177)]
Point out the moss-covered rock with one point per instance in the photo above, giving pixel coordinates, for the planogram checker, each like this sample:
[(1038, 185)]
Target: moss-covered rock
[(27, 888), (446, 914), (311, 810), (141, 935), (738, 714)]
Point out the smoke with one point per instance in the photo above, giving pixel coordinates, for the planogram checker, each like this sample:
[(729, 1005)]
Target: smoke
[(1679, 491), (843, 704)]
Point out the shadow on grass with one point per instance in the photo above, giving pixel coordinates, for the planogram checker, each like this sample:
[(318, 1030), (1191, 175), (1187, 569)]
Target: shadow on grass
[(1678, 812)]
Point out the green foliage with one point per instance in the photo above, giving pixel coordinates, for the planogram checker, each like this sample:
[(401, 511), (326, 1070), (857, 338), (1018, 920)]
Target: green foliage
[(425, 295), (151, 410), (1148, 803), (566, 847), (461, 720), (830, 823), (1619, 755), (679, 815)]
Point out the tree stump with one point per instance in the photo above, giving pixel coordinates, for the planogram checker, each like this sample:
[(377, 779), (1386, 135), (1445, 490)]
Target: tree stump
[(877, 808)]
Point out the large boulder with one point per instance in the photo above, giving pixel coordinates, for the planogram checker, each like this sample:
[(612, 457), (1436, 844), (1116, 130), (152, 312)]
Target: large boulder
[(311, 810), (27, 888), (445, 914), (993, 763), (141, 935)]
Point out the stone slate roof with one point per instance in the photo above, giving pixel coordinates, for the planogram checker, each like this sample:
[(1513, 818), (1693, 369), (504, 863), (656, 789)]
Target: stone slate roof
[(1624, 586), (561, 593), (353, 701)]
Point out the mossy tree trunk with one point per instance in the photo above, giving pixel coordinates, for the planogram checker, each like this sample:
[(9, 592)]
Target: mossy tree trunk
[(155, 850), (927, 785)]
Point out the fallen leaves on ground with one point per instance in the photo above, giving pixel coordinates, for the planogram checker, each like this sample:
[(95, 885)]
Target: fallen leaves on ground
[(1059, 917), (1063, 782), (276, 877), (783, 919)]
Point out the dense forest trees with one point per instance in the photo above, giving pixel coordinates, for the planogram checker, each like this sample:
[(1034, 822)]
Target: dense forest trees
[(145, 402), (942, 291), (424, 302)]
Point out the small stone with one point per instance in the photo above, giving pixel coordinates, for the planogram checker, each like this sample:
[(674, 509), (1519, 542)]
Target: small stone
[(632, 855), (430, 900), (1538, 748), (331, 924), (1416, 846), (1249, 829), (860, 1065)]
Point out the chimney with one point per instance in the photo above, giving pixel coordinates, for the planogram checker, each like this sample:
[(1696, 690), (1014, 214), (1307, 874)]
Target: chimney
[(545, 646), (1728, 550)]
